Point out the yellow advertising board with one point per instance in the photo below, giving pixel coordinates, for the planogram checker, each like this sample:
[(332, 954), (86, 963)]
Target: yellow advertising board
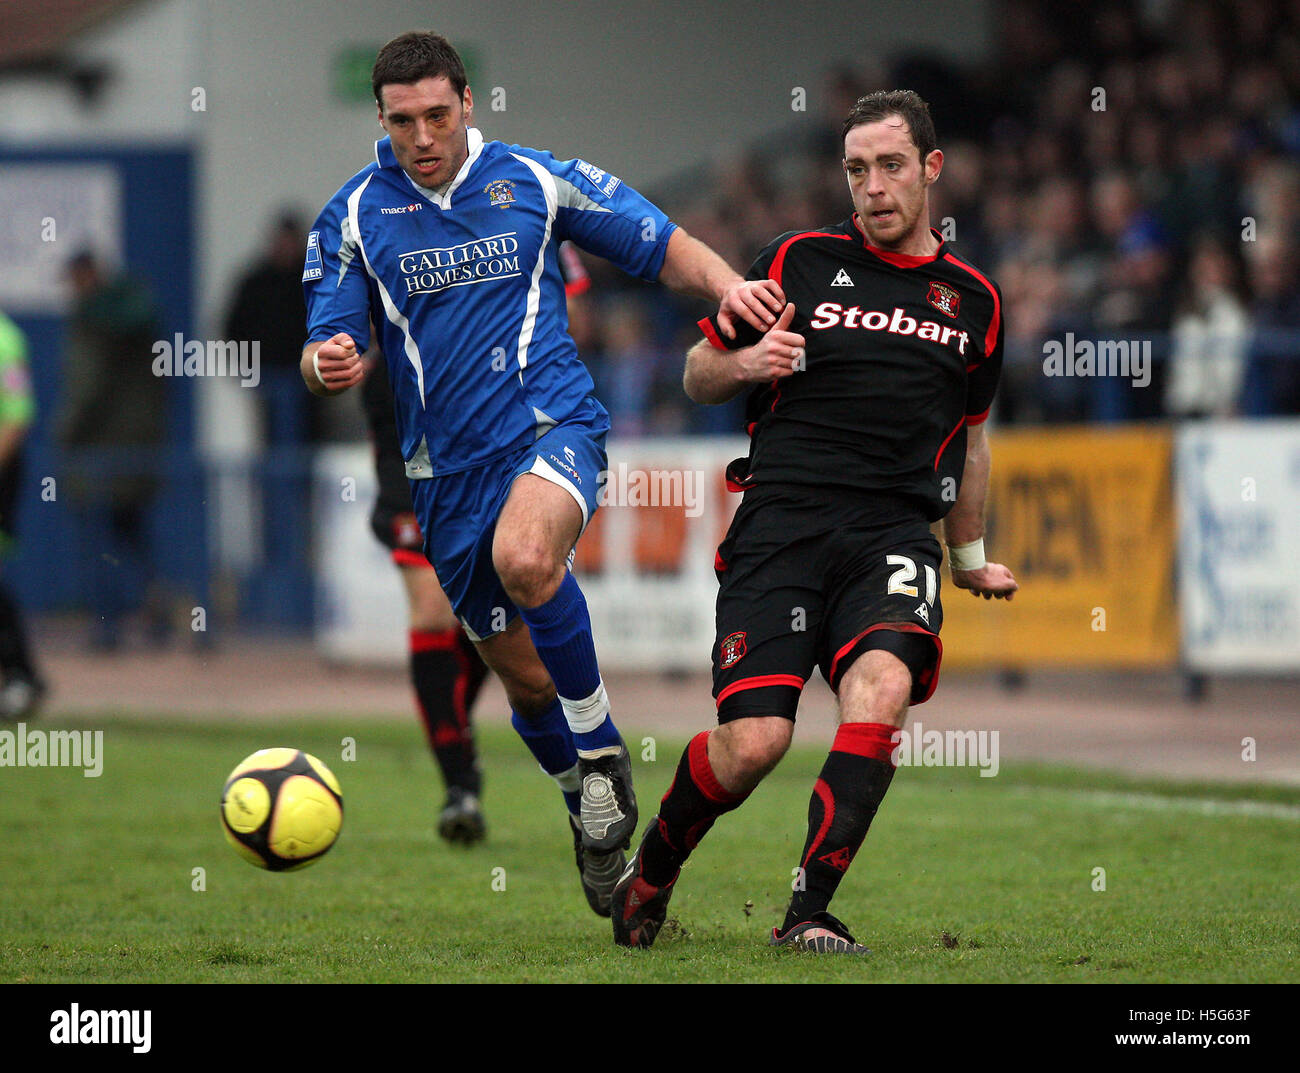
[(1084, 518)]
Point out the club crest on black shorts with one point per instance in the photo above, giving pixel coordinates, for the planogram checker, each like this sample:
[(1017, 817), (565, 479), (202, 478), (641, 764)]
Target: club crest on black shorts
[(731, 649)]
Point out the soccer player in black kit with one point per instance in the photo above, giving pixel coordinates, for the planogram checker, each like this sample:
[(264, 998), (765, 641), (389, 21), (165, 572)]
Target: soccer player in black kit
[(866, 409), (446, 672)]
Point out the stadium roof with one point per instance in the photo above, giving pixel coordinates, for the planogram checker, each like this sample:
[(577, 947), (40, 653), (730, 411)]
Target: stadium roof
[(35, 30)]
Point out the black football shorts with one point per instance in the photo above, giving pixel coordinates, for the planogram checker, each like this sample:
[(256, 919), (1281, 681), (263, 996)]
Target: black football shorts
[(812, 580), (399, 532)]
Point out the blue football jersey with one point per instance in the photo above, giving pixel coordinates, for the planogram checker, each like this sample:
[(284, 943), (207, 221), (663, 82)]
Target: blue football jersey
[(466, 292)]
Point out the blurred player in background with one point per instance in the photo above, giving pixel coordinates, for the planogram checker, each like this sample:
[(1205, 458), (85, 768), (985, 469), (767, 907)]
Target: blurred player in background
[(866, 408), (446, 670), (450, 242), (21, 688)]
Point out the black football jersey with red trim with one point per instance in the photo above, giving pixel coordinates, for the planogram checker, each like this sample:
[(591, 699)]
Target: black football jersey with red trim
[(902, 353), (390, 467)]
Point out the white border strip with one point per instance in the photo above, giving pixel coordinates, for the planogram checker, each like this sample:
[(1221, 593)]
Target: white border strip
[(1149, 802)]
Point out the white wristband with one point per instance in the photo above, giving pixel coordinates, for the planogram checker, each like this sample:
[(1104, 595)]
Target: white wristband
[(967, 556), (315, 364)]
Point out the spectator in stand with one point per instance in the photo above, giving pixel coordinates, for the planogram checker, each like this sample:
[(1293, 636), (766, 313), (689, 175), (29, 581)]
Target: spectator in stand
[(1211, 332), (111, 428), (630, 369), (1272, 198), (1135, 298), (268, 308), (1272, 382)]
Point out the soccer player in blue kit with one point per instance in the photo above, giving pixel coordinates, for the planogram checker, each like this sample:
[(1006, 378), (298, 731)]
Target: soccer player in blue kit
[(451, 243)]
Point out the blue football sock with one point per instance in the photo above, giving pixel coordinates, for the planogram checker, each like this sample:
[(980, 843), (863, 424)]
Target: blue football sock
[(561, 631), (549, 740)]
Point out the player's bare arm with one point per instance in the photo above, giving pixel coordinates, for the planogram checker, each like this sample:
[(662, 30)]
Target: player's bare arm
[(690, 267), (332, 366), (964, 526), (715, 376)]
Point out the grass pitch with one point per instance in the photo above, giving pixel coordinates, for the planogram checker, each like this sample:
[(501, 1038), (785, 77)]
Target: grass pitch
[(962, 879)]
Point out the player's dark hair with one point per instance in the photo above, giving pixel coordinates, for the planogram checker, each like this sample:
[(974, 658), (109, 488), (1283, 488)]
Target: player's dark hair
[(416, 55), (900, 102)]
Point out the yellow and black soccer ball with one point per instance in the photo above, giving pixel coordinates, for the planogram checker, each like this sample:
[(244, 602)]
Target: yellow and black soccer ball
[(281, 809)]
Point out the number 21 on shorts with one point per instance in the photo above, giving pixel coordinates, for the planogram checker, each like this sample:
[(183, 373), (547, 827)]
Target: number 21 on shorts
[(898, 580)]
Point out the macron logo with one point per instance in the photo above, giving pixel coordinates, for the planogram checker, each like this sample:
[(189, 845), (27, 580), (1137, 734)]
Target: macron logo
[(841, 279)]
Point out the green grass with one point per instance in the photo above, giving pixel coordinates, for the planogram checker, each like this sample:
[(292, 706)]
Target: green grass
[(962, 879)]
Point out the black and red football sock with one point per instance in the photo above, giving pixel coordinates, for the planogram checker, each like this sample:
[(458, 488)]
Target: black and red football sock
[(473, 672), (693, 802), (443, 679), (845, 798)]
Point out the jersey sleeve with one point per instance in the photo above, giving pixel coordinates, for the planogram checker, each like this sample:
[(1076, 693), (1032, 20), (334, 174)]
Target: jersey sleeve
[(603, 215), (746, 333), (983, 372), (334, 278)]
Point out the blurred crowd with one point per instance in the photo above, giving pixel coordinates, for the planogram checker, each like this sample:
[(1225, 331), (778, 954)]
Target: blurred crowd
[(1126, 172)]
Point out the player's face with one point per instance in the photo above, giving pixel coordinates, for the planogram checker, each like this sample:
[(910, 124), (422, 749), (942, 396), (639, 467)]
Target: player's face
[(426, 122), (890, 185)]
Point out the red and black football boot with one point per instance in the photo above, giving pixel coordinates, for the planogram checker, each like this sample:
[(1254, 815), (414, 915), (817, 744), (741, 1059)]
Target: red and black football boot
[(639, 907)]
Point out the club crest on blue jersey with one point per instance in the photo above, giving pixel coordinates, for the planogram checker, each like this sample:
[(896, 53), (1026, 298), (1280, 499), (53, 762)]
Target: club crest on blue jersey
[(500, 193)]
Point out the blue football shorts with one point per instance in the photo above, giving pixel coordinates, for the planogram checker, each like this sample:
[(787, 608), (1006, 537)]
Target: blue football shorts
[(458, 512)]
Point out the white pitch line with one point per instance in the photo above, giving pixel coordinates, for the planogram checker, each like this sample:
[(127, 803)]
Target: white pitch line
[(1203, 806)]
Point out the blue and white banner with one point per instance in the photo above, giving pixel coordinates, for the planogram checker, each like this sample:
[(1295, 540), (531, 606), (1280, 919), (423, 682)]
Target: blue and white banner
[(360, 603), (1238, 496)]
